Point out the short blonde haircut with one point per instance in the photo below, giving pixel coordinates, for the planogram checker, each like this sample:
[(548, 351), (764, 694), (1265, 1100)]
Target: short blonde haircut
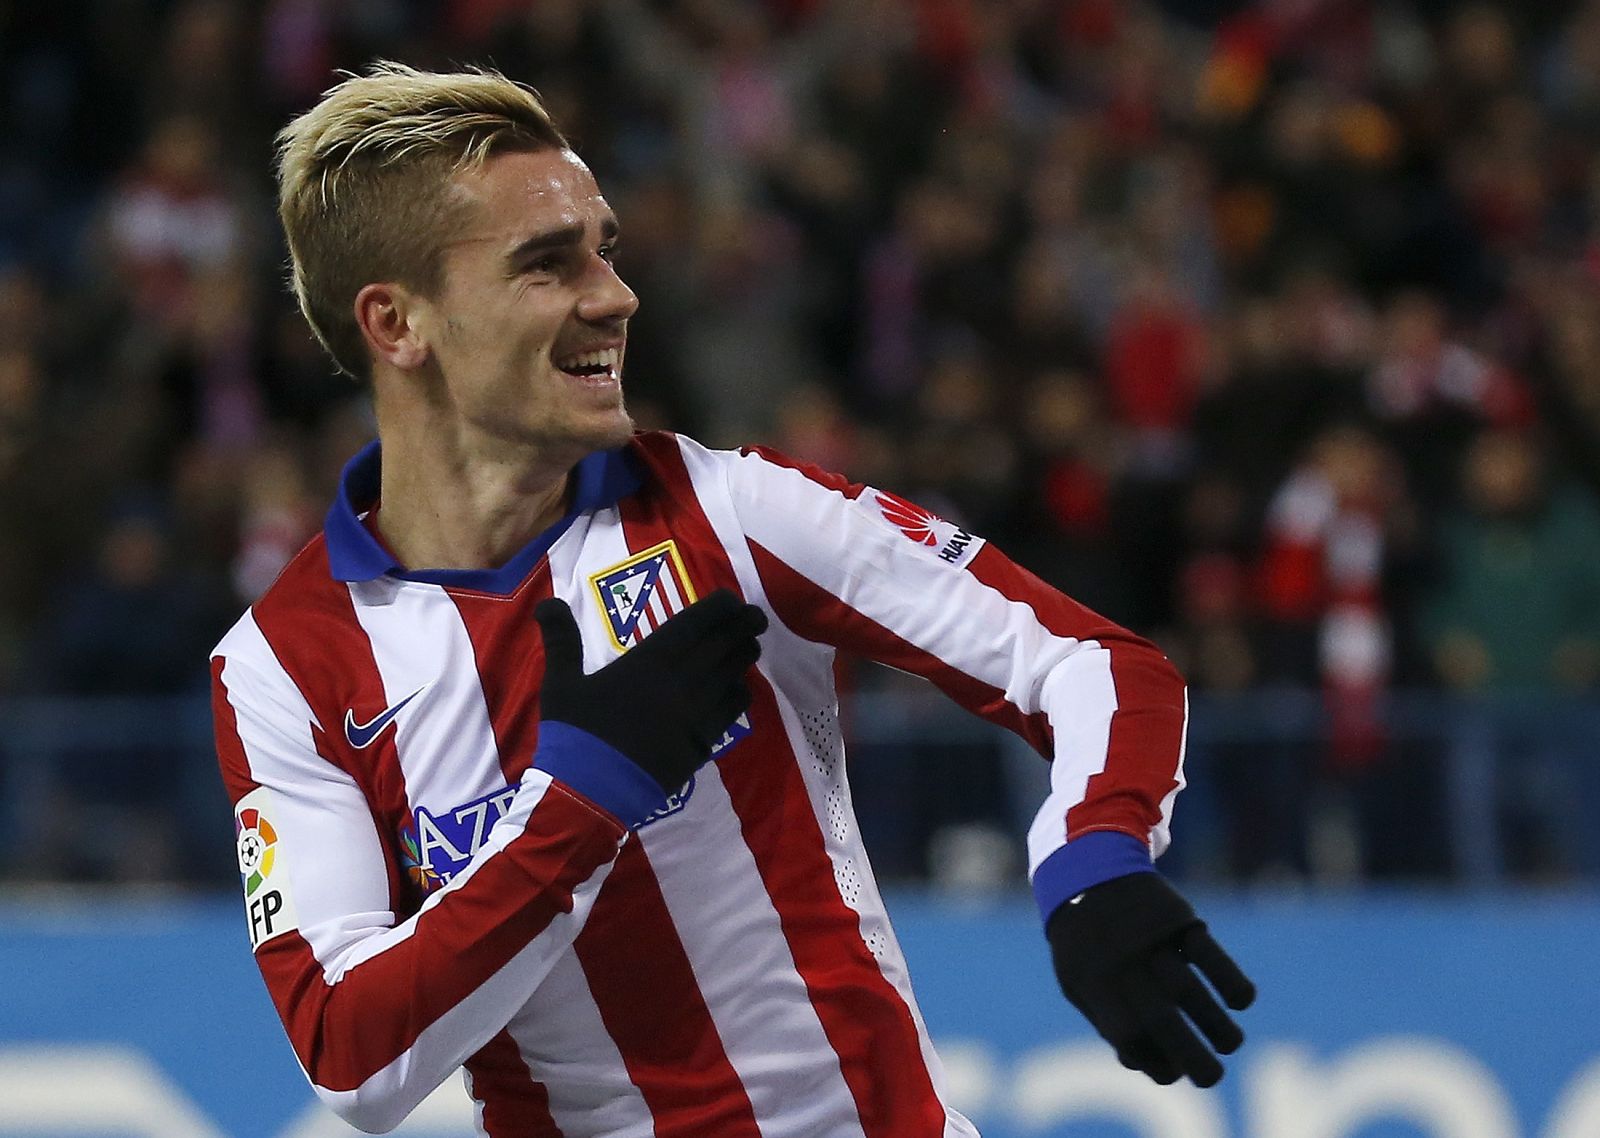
[(363, 182)]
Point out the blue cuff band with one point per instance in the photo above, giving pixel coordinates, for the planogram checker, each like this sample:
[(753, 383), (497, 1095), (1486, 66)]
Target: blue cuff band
[(1086, 861), (598, 771)]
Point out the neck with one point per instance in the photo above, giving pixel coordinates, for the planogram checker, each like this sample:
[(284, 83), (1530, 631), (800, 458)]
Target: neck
[(452, 503)]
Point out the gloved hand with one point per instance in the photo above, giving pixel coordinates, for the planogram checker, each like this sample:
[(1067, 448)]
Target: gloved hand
[(1125, 953), (666, 701)]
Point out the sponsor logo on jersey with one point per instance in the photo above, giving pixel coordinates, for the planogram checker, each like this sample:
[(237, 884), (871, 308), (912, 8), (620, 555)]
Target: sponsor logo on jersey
[(266, 897), (361, 735), (436, 847), (926, 528), (675, 803), (640, 594)]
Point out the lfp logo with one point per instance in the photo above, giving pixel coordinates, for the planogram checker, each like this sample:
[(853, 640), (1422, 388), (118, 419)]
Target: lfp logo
[(256, 846), (266, 898)]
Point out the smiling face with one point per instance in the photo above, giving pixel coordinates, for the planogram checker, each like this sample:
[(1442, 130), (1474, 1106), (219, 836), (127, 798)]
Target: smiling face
[(528, 327)]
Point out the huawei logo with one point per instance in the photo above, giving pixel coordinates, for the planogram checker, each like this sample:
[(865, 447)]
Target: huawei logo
[(912, 520)]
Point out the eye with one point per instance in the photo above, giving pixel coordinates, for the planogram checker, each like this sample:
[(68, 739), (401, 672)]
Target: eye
[(608, 252), (549, 263)]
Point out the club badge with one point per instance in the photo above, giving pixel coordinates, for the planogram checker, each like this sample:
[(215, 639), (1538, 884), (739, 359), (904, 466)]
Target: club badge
[(640, 594)]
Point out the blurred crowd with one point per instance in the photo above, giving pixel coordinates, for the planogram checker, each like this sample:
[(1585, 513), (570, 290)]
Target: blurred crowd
[(1271, 330)]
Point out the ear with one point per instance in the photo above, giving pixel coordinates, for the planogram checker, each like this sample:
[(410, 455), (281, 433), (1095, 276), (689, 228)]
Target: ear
[(386, 314)]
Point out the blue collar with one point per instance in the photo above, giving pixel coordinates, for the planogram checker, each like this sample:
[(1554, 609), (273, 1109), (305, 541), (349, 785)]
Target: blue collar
[(354, 554)]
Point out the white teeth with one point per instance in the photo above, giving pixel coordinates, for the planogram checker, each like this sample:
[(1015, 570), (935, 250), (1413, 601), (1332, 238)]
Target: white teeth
[(607, 359)]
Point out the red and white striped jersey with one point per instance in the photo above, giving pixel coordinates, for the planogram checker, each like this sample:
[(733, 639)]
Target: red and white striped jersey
[(423, 895)]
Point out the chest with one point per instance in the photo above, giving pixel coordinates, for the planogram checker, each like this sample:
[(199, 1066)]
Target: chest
[(440, 716)]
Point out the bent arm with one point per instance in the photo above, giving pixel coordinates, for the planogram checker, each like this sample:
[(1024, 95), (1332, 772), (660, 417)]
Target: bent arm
[(867, 572), (381, 1011)]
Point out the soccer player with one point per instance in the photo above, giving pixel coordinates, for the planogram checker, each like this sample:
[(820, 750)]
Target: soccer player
[(535, 751)]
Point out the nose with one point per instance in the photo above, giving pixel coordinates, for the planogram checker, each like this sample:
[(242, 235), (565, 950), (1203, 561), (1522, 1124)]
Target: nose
[(606, 296)]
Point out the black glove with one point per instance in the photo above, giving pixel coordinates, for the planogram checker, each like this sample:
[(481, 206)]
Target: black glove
[(1125, 953), (665, 702)]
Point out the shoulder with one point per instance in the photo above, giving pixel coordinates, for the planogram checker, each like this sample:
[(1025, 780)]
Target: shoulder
[(666, 451), (304, 596)]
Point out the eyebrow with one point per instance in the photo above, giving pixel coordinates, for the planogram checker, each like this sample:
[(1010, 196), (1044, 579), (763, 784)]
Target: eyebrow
[(563, 238)]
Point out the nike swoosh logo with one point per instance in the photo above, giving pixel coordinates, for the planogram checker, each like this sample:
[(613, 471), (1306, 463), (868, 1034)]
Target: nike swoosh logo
[(362, 734)]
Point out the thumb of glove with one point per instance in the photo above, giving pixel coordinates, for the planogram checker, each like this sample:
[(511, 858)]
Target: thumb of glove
[(563, 647)]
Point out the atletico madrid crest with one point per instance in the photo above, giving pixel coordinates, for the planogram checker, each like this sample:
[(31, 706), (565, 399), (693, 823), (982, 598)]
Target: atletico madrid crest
[(640, 594)]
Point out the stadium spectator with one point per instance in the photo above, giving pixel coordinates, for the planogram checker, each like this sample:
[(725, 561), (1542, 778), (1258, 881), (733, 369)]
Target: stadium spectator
[(1515, 615), (1386, 213), (129, 627)]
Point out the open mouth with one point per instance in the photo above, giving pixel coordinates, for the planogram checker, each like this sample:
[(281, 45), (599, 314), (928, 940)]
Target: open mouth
[(597, 365)]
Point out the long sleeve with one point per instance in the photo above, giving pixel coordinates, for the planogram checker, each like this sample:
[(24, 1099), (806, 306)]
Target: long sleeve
[(379, 1010), (872, 574)]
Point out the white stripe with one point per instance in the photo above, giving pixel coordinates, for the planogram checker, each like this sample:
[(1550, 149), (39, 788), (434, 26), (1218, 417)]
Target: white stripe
[(673, 598), (419, 641), (734, 942), (657, 610), (1082, 697), (566, 1046)]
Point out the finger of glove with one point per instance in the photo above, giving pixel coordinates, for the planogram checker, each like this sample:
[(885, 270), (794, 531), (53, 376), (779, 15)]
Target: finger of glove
[(709, 627), (741, 655), (1201, 950), (698, 621), (734, 702), (1184, 987), (1144, 1056), (563, 646), (722, 609), (715, 664), (1115, 1021), (753, 620), (1163, 1026)]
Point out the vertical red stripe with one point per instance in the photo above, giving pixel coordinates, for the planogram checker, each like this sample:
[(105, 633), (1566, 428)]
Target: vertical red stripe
[(650, 1003), (515, 1104), (864, 1018), (1146, 736), (867, 1023), (309, 621), (230, 750), (510, 657), (672, 495)]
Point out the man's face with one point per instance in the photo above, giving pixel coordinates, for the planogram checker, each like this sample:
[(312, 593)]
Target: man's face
[(529, 324)]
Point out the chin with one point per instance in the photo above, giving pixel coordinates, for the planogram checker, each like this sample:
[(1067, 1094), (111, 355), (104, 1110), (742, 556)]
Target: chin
[(612, 432)]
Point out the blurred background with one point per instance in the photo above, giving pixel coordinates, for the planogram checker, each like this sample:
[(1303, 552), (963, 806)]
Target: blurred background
[(1270, 330)]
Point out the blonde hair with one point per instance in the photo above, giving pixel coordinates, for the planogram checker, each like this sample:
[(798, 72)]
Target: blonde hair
[(363, 183)]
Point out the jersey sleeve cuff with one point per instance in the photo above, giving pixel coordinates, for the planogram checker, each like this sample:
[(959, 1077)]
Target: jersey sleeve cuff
[(598, 771), (1085, 861)]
